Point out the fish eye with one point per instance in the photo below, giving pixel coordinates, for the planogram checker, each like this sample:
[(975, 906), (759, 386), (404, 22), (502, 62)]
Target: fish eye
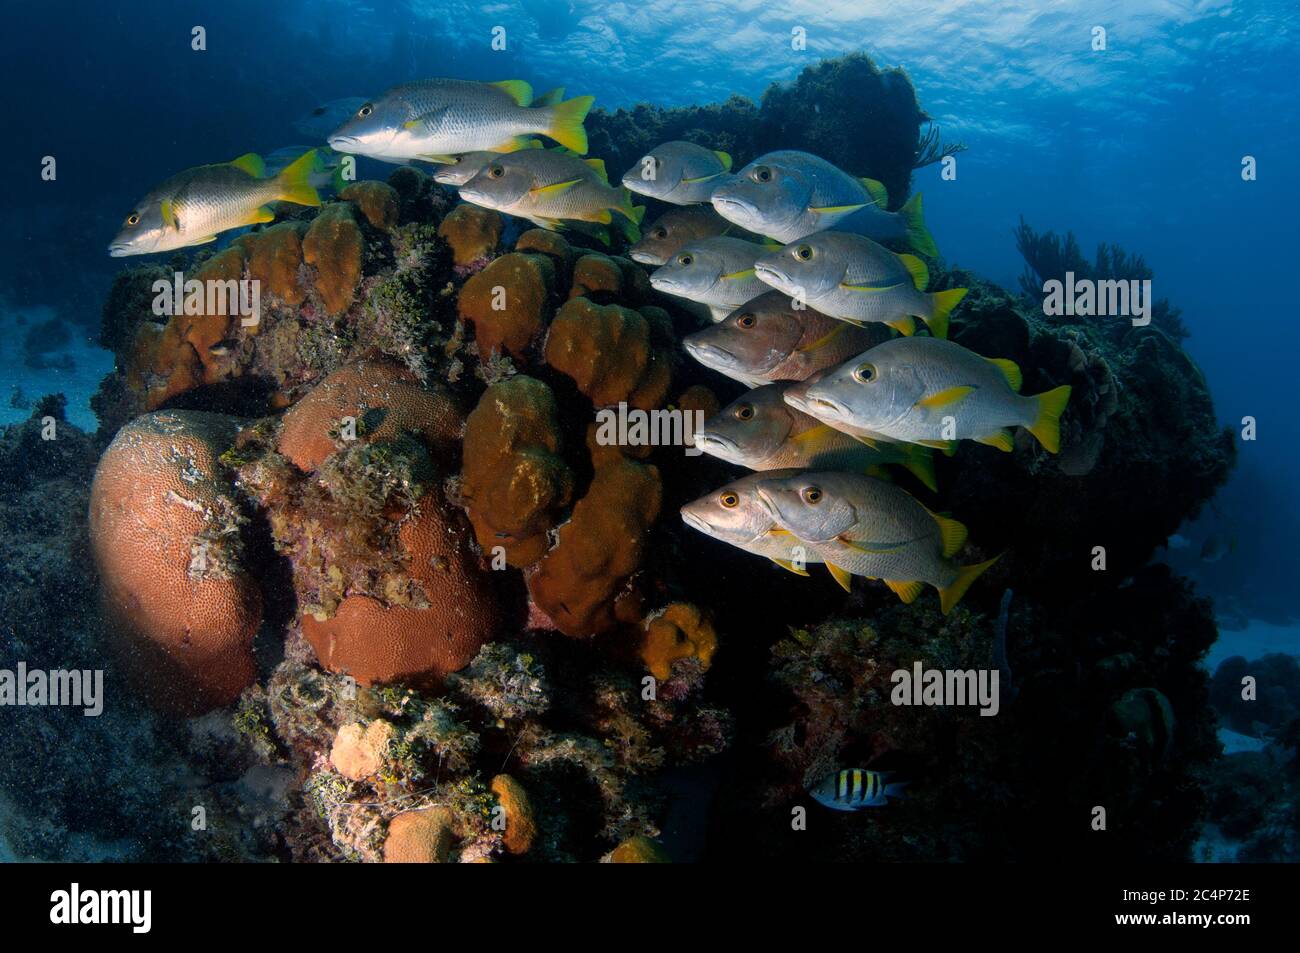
[(661, 232), (804, 253), (745, 412), (496, 171), (133, 219), (864, 373), (746, 320), (366, 110), (684, 259), (762, 174), (812, 495), (729, 500)]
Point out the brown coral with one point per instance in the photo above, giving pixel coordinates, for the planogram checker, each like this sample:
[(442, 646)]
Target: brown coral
[(508, 303), (274, 260), (383, 399), (377, 201), (612, 353), (679, 631), (515, 484), (472, 232), (359, 752), (637, 850), (581, 584), (420, 837), (377, 643), (164, 529), (599, 277), (333, 245), (521, 821)]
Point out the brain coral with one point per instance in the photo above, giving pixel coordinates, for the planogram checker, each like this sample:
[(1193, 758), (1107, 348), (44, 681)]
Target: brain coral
[(515, 484), (460, 609), (165, 532), (384, 400)]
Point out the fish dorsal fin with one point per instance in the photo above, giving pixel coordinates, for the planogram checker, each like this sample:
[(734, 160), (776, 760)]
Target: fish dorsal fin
[(556, 188), (599, 166), (907, 591), (550, 97), (842, 576), (724, 159), (516, 89), (1010, 370), (945, 398), (879, 194), (917, 269), (251, 163)]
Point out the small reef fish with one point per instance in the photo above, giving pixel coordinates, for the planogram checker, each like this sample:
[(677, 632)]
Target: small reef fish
[(759, 430), (435, 119), (458, 170), (854, 279), (677, 228), (932, 392), (194, 206), (787, 195), (718, 272), (862, 526), (855, 788), (549, 188), (735, 515), (768, 339), (677, 172)]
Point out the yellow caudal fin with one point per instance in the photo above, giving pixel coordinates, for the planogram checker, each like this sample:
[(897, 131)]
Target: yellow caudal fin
[(293, 184), (566, 123), (950, 596), (918, 236), (920, 463), (1047, 425), (941, 304), (550, 97)]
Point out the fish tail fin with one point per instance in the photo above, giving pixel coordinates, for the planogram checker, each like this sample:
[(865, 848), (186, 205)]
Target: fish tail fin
[(566, 123), (941, 305), (895, 789), (1047, 422), (951, 595), (294, 182), (919, 462), (918, 236)]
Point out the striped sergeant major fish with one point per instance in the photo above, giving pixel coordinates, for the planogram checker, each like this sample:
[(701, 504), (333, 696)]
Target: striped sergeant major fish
[(852, 789)]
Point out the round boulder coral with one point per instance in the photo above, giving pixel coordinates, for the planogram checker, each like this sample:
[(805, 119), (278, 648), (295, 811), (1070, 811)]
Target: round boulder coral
[(165, 532)]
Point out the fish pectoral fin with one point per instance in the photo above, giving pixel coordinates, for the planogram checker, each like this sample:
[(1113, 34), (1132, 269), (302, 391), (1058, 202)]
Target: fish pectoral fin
[(169, 216), (202, 241), (825, 339), (907, 591), (864, 547), (701, 178), (790, 567), (438, 158), (949, 447), (555, 188), (1002, 439), (835, 209), (873, 444), (842, 576), (873, 289), (739, 275), (425, 120), (949, 397), (813, 435)]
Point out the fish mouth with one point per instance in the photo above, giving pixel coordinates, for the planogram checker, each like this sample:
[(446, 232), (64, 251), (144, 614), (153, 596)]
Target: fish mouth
[(720, 445), (476, 197), (634, 183), (710, 355), (645, 258), (825, 407), (771, 276), (120, 250), (696, 522), (343, 143), (663, 283), (738, 207)]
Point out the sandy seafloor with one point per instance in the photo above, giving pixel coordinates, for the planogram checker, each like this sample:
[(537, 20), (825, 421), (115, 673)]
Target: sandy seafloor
[(77, 384)]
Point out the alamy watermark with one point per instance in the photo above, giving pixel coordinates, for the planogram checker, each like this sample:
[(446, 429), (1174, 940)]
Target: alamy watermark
[(1107, 297), (625, 426), (938, 687), (231, 296), (74, 688)]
